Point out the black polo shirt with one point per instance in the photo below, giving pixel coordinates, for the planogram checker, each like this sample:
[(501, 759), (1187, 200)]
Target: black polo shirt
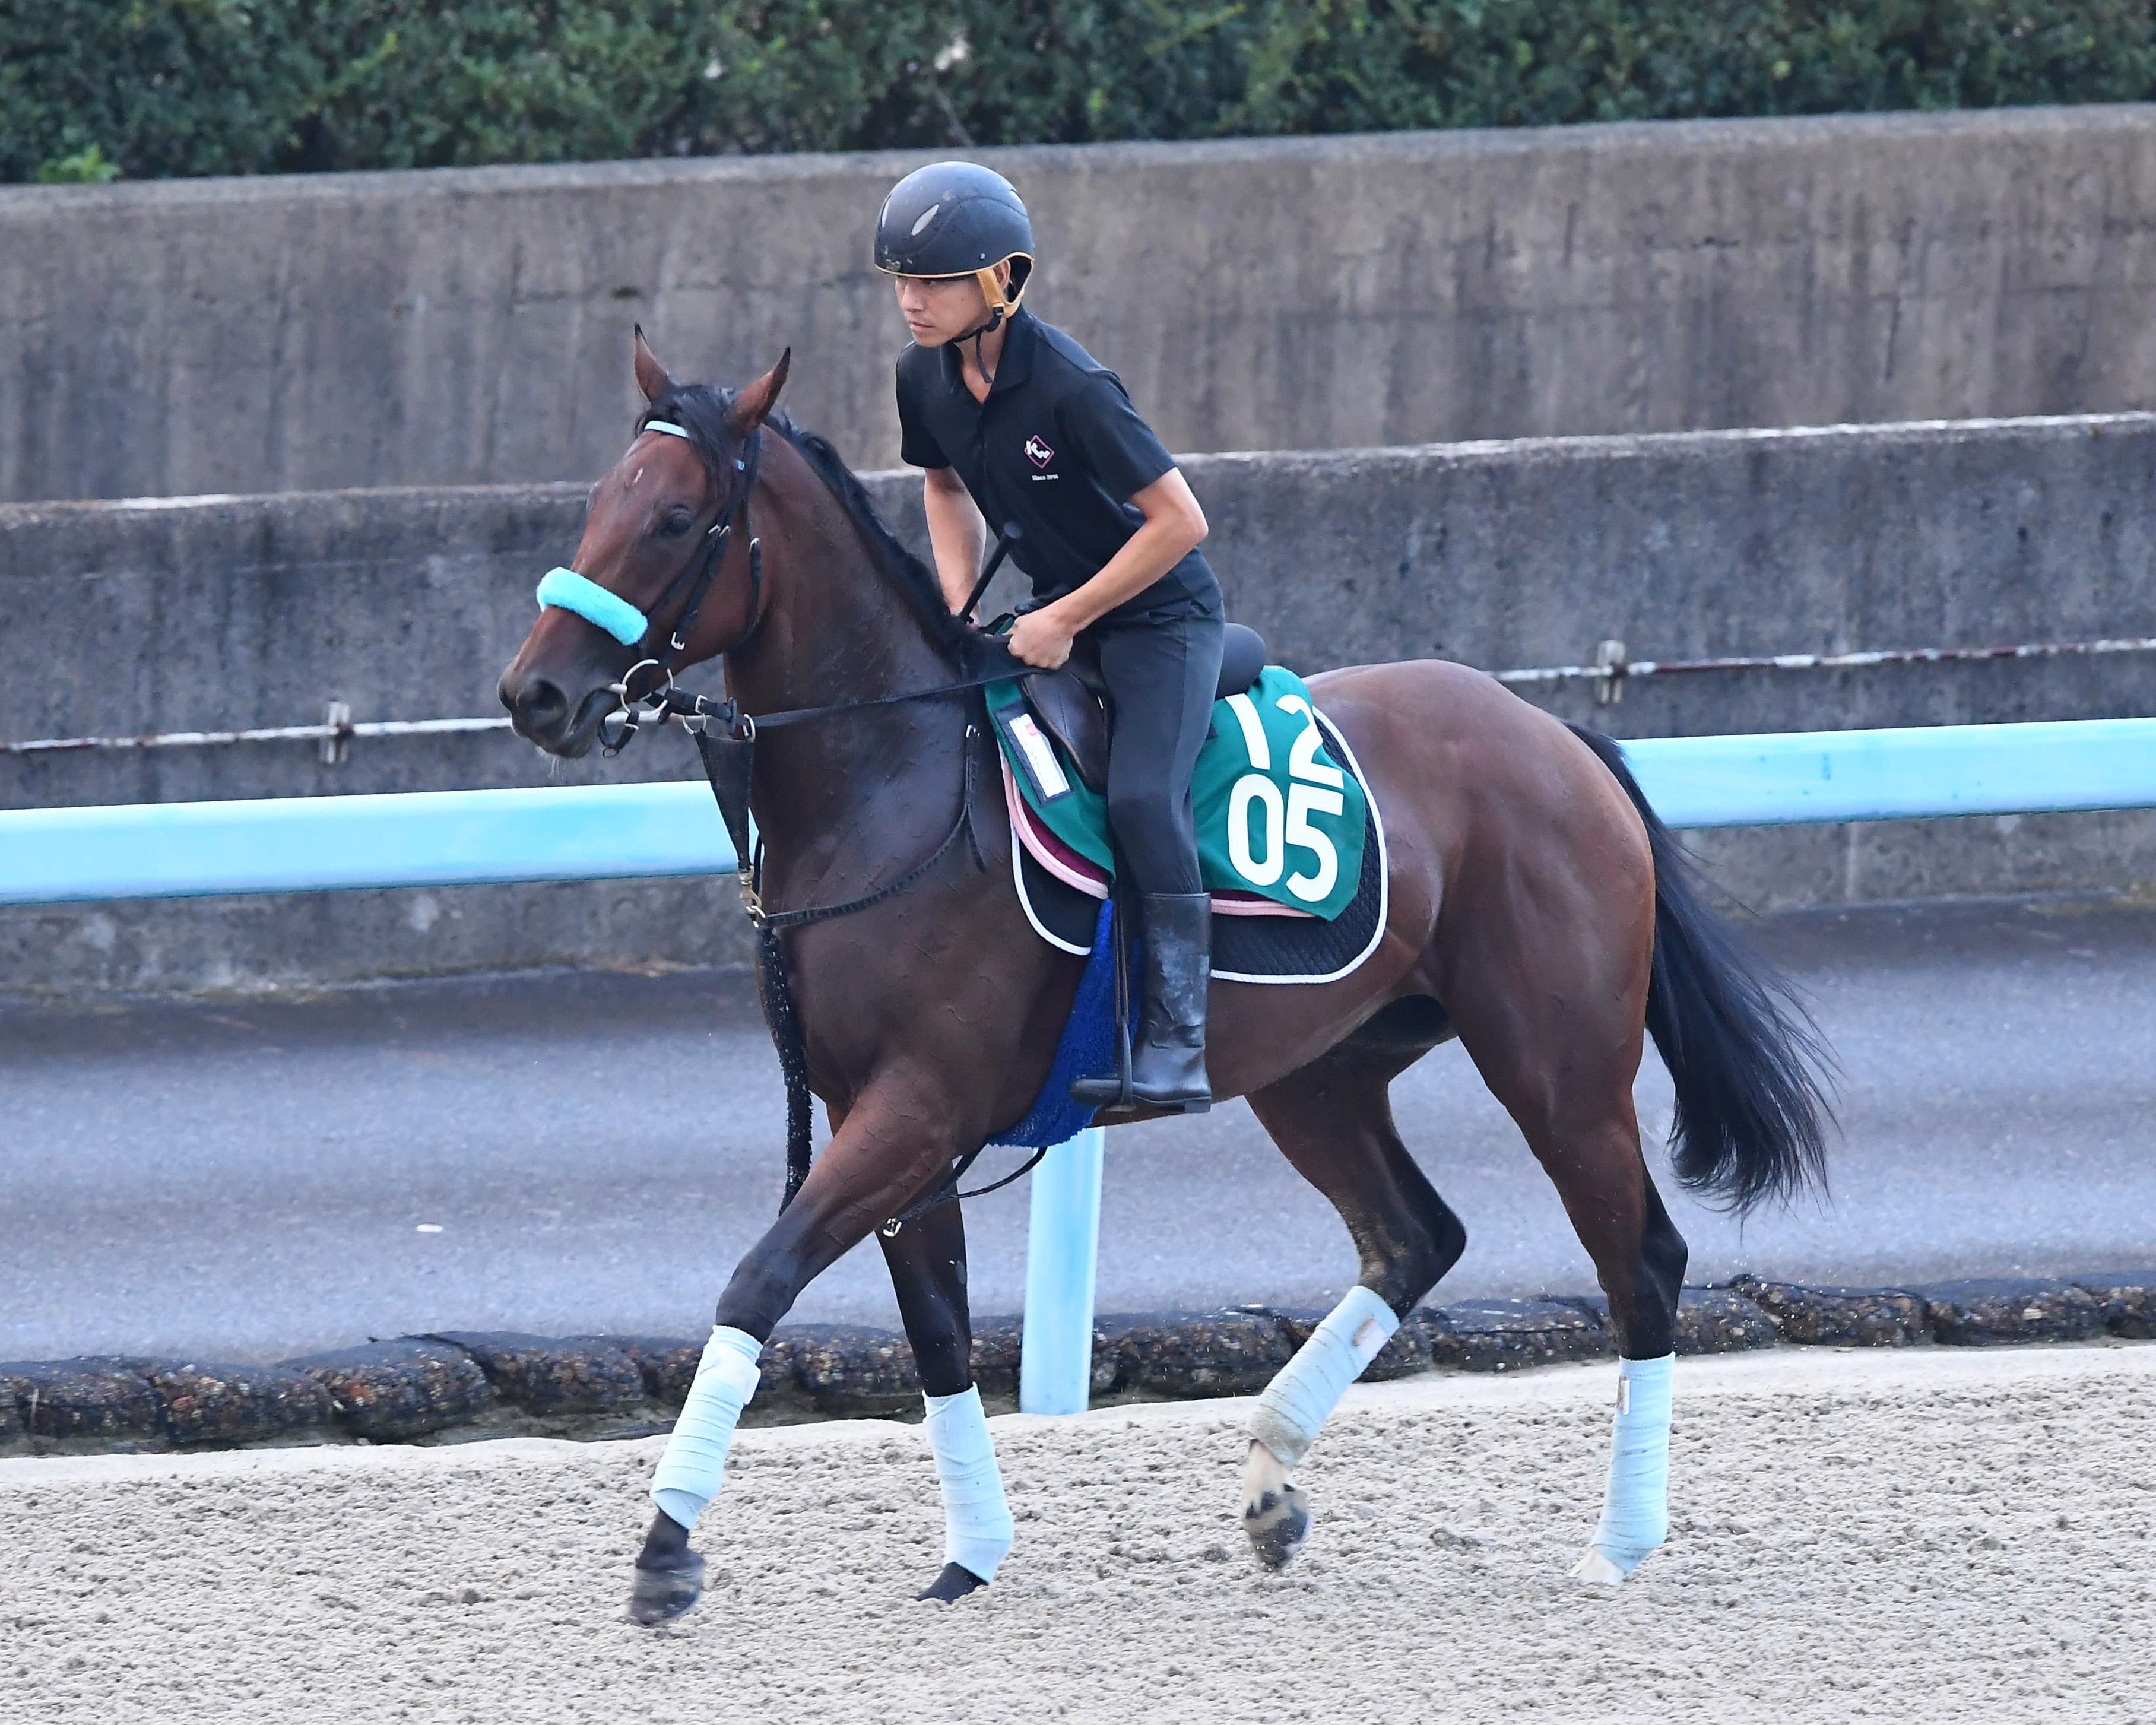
[(1056, 447)]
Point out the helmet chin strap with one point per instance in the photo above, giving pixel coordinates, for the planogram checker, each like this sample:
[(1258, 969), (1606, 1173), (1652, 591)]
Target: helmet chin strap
[(979, 336), (999, 307)]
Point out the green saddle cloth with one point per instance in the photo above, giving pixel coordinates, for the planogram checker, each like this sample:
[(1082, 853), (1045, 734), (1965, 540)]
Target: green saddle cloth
[(1279, 816)]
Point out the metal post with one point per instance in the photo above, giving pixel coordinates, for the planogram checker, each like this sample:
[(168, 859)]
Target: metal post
[(1055, 1360), (337, 749)]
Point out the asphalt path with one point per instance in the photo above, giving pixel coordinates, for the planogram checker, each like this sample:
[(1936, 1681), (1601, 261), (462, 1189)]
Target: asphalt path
[(571, 1153)]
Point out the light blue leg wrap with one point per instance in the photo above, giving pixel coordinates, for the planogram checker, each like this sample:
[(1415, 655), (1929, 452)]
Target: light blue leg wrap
[(1635, 1509), (977, 1520), (1297, 1402), (693, 1467)]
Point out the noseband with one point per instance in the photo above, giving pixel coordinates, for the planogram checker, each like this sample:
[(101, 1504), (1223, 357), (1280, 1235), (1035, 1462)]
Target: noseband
[(565, 590)]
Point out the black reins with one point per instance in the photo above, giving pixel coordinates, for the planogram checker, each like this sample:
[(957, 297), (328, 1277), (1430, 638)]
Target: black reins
[(726, 742)]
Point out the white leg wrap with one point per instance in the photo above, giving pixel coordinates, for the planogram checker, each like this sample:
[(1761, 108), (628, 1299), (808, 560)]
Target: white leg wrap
[(693, 1467), (977, 1520), (1635, 1508), (1297, 1402)]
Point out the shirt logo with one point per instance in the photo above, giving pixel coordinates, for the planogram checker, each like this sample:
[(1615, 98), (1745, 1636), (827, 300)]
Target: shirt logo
[(1038, 452)]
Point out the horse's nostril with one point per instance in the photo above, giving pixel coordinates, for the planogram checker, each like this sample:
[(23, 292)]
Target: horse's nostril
[(538, 706)]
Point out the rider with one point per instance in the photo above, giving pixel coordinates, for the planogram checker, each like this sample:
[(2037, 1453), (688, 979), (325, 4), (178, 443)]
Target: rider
[(995, 404)]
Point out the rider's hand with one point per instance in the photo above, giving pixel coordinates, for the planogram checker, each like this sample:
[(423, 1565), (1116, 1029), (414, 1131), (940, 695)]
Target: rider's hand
[(1039, 638)]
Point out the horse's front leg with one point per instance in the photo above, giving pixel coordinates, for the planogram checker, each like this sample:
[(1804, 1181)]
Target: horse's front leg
[(887, 1153), (927, 1260)]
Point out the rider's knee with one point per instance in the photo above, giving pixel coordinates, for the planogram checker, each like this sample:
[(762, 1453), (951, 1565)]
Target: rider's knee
[(1162, 853), (1136, 802)]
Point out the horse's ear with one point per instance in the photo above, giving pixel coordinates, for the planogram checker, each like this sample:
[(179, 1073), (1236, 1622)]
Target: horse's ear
[(651, 375), (753, 405)]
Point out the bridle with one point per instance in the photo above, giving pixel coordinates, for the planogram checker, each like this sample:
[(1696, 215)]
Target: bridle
[(726, 740), (700, 714), (697, 575)]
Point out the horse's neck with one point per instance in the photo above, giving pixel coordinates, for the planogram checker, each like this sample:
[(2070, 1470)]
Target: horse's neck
[(837, 629)]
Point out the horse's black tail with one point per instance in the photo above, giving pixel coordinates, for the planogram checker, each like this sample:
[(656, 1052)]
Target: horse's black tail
[(1751, 1068)]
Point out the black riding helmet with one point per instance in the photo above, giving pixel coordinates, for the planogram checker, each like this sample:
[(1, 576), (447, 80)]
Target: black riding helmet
[(957, 218)]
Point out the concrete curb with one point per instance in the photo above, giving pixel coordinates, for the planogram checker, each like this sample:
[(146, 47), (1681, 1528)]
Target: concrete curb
[(457, 1385)]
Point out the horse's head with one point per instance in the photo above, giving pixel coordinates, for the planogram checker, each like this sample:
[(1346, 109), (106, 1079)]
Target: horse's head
[(656, 555)]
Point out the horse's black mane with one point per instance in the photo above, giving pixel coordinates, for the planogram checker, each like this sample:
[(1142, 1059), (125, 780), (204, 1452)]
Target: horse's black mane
[(700, 410)]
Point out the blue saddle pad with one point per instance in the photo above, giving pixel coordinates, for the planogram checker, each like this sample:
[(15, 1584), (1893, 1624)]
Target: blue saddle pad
[(1087, 1050)]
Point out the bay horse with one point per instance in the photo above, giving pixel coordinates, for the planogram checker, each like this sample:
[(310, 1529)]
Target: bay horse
[(1537, 911)]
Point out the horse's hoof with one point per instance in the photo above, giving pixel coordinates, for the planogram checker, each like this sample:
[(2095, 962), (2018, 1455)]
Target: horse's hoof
[(1278, 1525), (955, 1583), (661, 1595), (1597, 1570)]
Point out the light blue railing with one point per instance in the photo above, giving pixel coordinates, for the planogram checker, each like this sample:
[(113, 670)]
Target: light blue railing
[(479, 837)]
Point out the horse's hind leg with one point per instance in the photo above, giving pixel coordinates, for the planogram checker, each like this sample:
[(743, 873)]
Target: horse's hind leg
[(927, 1262), (1588, 1141), (1561, 1055), (1333, 1120)]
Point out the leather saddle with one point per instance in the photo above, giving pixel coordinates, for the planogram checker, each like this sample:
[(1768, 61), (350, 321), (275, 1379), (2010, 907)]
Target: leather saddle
[(1071, 703)]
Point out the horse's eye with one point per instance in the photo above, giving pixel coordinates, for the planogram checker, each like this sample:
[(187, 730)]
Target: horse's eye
[(677, 522)]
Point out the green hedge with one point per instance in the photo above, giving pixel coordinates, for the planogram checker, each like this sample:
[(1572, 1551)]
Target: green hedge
[(155, 88)]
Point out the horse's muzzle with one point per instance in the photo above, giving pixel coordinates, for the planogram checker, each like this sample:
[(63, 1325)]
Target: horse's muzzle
[(540, 712)]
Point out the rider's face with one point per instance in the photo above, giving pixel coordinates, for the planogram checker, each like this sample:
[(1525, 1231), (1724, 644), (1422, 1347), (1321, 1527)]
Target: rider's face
[(940, 308)]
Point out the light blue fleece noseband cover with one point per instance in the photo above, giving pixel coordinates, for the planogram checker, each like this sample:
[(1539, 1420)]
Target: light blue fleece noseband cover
[(565, 590)]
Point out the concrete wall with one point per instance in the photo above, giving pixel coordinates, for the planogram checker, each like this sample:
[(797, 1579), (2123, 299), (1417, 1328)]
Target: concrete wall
[(467, 327), (124, 618)]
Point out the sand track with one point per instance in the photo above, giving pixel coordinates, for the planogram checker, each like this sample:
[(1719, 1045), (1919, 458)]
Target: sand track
[(1930, 1535)]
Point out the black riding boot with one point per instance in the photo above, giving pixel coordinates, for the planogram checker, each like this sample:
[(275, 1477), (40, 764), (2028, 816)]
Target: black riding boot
[(1167, 1054)]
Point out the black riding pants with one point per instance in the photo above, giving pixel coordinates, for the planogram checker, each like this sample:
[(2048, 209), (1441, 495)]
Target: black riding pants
[(1161, 668)]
